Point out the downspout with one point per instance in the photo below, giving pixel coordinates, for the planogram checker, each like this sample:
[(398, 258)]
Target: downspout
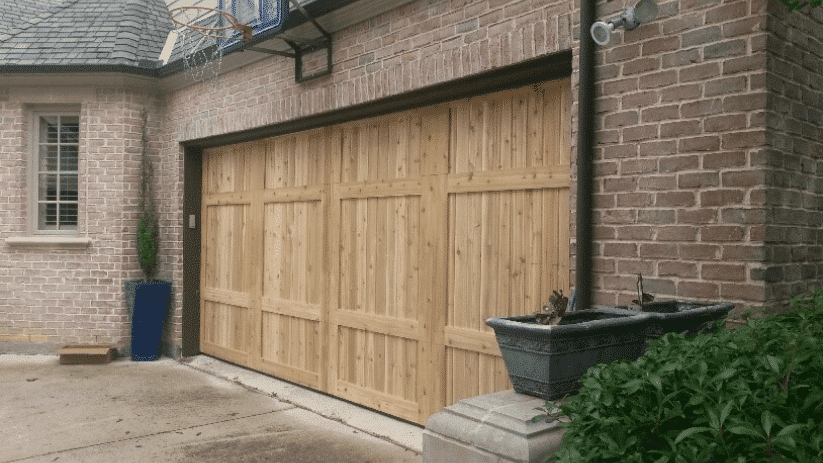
[(585, 147)]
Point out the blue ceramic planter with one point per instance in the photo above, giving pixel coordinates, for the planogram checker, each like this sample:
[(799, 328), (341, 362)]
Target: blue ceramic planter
[(151, 300), (548, 361)]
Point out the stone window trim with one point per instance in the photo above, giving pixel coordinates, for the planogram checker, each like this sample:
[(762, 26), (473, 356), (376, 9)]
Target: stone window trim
[(49, 242), (54, 177)]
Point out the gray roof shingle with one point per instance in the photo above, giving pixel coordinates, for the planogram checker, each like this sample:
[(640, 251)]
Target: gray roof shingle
[(130, 32)]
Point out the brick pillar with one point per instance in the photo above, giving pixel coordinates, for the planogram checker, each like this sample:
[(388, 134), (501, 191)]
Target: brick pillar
[(681, 132), (793, 160)]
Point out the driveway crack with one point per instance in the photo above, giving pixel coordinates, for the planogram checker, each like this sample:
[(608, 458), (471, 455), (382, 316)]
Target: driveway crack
[(142, 436)]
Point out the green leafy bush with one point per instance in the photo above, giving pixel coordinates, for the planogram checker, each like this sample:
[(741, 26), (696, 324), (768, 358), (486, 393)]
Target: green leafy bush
[(147, 244), (753, 394), (795, 5), (148, 233)]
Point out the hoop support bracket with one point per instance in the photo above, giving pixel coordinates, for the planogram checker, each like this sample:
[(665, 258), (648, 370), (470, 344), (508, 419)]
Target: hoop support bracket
[(303, 47)]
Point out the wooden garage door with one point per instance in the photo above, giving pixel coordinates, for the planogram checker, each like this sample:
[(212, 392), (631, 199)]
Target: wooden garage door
[(362, 259)]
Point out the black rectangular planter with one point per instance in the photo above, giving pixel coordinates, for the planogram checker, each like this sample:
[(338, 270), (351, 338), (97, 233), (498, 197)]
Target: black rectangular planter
[(547, 361), (678, 316)]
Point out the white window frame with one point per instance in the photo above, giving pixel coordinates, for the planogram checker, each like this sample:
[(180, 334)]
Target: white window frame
[(34, 171)]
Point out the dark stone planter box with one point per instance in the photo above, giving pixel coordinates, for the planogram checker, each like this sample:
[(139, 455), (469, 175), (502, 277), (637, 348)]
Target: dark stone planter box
[(548, 361), (678, 316)]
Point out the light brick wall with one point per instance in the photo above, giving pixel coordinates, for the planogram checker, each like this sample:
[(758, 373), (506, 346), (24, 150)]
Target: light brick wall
[(681, 127), (53, 297), (699, 168), (793, 161)]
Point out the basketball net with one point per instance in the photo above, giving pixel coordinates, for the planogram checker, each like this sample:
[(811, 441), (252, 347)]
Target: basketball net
[(202, 58), (199, 34)]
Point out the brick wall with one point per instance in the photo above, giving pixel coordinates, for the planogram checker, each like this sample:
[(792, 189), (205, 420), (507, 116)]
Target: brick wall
[(420, 44), (416, 45), (57, 296), (793, 162), (700, 170), (681, 128)]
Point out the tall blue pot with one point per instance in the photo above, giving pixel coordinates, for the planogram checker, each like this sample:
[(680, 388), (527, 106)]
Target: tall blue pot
[(151, 300)]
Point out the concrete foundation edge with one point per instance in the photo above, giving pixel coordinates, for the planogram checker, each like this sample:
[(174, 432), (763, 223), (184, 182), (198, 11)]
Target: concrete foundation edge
[(491, 428)]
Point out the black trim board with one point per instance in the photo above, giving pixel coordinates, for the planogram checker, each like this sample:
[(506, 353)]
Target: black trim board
[(192, 199), (533, 71), (529, 72)]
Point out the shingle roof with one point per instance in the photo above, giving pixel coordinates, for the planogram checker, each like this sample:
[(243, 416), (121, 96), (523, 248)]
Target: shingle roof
[(78, 32)]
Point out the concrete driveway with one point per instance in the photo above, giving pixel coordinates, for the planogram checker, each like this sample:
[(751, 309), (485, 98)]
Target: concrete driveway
[(200, 411)]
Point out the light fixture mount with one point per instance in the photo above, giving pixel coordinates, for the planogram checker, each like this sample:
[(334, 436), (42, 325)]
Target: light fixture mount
[(643, 11)]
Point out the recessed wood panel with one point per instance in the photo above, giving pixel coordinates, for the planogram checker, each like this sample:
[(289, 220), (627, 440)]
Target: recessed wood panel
[(379, 362), (292, 342), (522, 128), (473, 373), (382, 149), (227, 326), (379, 243), (296, 160), (230, 168), (225, 245), (293, 251), (502, 254)]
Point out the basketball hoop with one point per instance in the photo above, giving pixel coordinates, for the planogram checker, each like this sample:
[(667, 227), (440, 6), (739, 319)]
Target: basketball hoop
[(218, 28), (203, 61)]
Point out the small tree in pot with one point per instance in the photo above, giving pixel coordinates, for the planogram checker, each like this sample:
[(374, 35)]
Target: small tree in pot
[(151, 297)]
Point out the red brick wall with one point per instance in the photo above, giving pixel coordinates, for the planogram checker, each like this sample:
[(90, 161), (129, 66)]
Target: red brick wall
[(420, 44), (56, 296), (681, 124), (793, 162)]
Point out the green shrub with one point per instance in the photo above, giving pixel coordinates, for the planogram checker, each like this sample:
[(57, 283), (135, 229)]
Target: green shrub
[(147, 244), (795, 5), (753, 394)]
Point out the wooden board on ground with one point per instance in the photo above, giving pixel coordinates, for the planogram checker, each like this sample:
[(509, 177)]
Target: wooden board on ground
[(86, 355)]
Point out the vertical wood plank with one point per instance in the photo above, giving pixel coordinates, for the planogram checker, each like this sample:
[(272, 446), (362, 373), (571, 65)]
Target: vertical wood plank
[(371, 255), (255, 158), (434, 157), (563, 238), (433, 245), (535, 128), (380, 377), (506, 127), (519, 129), (393, 260), (383, 154), (369, 355), (381, 265), (534, 246), (333, 270)]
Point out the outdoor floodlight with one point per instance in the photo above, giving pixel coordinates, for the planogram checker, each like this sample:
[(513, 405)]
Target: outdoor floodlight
[(643, 11)]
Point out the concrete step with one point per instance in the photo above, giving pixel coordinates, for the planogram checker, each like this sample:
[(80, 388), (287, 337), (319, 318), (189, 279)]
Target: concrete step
[(492, 428)]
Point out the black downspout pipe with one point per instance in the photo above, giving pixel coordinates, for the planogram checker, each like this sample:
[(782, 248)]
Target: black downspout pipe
[(585, 146)]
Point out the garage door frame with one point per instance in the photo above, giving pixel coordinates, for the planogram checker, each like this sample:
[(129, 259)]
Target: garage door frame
[(529, 72)]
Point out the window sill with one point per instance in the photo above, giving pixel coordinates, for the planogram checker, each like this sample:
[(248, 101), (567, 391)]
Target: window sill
[(54, 242)]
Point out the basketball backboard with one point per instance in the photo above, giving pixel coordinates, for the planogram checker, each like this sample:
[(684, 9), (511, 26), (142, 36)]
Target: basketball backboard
[(261, 15)]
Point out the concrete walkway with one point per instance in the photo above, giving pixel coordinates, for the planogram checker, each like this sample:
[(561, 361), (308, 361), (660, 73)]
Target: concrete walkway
[(201, 410)]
